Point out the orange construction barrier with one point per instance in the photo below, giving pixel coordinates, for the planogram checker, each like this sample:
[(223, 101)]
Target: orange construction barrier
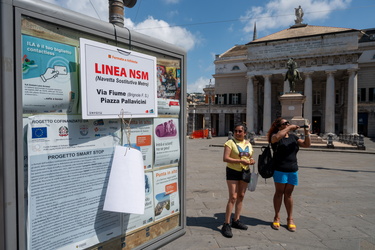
[(202, 133)]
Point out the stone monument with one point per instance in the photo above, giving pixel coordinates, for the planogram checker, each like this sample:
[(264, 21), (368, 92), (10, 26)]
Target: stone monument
[(292, 75), (292, 102)]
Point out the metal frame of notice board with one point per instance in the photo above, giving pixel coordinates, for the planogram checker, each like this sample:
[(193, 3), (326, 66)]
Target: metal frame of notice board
[(27, 24)]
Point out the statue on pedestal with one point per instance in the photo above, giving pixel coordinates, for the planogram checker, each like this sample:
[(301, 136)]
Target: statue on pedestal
[(299, 15), (292, 74)]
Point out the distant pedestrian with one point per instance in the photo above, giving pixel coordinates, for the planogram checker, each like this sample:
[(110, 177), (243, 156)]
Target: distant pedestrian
[(238, 156), (285, 146)]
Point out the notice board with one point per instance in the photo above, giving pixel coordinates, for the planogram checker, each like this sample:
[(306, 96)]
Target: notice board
[(82, 96)]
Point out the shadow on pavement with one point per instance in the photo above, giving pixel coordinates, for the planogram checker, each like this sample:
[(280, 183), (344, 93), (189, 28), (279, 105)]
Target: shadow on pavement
[(344, 170), (215, 222)]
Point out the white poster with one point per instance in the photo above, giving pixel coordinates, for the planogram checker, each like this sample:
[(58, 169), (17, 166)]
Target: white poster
[(49, 76), (125, 189), (68, 168), (116, 82), (166, 198), (141, 138), (168, 106), (132, 222), (166, 138)]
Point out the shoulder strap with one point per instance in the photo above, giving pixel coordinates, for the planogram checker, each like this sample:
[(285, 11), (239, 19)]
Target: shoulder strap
[(240, 149), (270, 146)]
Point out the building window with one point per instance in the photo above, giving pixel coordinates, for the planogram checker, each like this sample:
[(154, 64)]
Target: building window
[(220, 99), (234, 98), (316, 97), (371, 94), (236, 68), (361, 94)]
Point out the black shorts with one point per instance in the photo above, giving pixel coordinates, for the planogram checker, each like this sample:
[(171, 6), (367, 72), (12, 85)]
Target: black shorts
[(233, 175)]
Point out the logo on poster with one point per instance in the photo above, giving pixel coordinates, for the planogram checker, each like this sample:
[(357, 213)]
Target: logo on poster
[(99, 122), (83, 130), (39, 132), (63, 131)]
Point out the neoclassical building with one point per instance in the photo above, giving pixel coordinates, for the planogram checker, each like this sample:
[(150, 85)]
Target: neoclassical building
[(337, 66)]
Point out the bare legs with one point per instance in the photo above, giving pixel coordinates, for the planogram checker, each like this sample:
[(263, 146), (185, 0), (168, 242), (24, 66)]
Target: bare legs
[(283, 191), (236, 191)]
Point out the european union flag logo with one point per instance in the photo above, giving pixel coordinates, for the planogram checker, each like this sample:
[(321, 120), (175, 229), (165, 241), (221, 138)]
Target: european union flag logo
[(39, 132)]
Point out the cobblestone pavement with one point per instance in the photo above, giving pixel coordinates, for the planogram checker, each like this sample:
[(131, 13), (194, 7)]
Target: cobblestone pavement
[(334, 204)]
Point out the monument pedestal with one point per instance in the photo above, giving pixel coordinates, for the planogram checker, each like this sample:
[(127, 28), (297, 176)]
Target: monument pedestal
[(291, 108)]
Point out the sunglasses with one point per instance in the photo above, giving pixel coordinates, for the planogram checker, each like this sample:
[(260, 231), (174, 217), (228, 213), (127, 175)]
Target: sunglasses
[(285, 123), (238, 131)]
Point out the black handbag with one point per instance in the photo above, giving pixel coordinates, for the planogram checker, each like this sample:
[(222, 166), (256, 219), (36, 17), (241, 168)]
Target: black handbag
[(246, 175), (265, 164)]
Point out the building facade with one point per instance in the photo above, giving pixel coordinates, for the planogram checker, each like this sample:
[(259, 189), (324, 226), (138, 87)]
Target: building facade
[(337, 67)]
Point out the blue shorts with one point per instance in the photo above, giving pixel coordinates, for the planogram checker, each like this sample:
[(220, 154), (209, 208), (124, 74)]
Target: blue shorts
[(286, 177)]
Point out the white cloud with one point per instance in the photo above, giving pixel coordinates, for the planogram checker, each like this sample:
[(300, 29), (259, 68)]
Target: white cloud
[(160, 29), (163, 31), (199, 84), (280, 13), (93, 9)]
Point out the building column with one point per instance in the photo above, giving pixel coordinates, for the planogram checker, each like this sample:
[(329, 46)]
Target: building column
[(256, 96), (250, 104), (221, 131), (330, 103), (307, 107), (267, 104), (352, 112)]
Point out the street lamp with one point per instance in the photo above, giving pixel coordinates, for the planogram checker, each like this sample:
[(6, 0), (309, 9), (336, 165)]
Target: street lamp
[(194, 110), (210, 94)]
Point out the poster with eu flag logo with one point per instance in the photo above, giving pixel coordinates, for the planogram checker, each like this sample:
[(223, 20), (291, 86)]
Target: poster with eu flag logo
[(39, 132)]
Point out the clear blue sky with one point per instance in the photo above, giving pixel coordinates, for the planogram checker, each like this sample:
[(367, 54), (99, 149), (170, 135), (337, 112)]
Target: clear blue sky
[(206, 28)]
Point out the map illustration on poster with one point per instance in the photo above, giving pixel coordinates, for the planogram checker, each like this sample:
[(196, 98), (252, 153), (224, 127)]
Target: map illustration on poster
[(49, 76), (166, 198)]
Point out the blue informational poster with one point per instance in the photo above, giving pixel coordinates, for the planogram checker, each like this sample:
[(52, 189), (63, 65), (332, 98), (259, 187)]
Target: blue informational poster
[(49, 77)]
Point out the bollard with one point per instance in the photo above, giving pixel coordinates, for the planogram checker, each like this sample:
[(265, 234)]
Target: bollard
[(355, 140), (330, 141), (361, 142), (209, 136), (230, 135), (252, 138)]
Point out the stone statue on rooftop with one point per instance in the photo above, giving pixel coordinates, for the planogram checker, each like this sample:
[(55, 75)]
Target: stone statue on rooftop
[(292, 74), (299, 15)]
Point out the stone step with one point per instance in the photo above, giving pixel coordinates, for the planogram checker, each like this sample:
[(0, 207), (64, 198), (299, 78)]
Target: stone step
[(315, 139)]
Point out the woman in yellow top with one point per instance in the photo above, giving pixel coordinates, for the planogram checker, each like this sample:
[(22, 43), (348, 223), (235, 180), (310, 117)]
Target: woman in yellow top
[(236, 161)]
